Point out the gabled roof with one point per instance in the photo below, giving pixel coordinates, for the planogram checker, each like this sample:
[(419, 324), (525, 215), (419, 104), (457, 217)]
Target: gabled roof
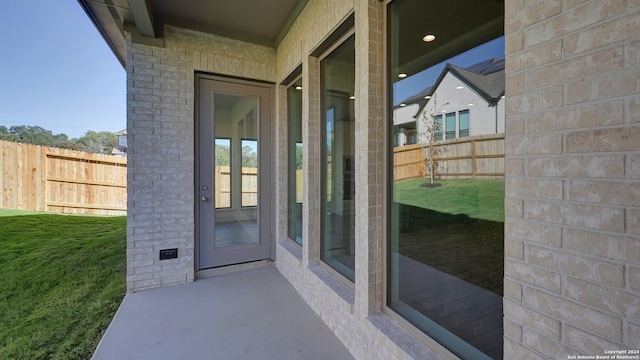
[(419, 96), (485, 77)]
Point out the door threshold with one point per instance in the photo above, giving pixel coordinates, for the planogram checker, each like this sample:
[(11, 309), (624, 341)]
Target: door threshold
[(204, 273)]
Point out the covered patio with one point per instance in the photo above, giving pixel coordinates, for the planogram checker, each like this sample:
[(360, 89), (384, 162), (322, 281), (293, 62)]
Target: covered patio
[(248, 314)]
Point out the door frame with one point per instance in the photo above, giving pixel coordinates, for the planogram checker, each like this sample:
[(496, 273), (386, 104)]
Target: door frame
[(266, 201)]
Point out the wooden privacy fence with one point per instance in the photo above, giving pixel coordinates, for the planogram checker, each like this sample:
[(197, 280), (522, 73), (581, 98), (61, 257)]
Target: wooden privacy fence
[(249, 186), (41, 178), (467, 158), (223, 187)]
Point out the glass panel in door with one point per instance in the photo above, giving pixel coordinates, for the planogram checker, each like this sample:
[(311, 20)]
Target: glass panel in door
[(236, 217)]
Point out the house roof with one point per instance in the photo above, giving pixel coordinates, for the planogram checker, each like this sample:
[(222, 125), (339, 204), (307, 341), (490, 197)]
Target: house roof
[(256, 21), (485, 77)]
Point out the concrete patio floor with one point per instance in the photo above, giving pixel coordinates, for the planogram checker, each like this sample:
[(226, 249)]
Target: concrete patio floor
[(251, 314)]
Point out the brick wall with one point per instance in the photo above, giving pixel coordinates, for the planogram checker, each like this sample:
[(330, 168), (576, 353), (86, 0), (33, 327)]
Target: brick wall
[(354, 314), (160, 124), (572, 267)]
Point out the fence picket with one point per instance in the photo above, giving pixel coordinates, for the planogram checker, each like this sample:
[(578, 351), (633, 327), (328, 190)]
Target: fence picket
[(48, 179), (471, 157)]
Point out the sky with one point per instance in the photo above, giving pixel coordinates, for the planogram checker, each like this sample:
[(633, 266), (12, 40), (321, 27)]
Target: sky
[(56, 71)]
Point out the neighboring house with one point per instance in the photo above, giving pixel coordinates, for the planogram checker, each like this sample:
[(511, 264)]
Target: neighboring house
[(559, 274), (404, 122), (121, 149), (462, 102)]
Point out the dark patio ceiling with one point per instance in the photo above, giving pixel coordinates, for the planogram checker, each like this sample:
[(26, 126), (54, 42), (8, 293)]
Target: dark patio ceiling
[(256, 21), (266, 22)]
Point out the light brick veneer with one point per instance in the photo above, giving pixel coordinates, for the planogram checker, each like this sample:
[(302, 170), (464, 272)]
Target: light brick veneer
[(572, 234), (572, 185), (353, 314), (160, 123)]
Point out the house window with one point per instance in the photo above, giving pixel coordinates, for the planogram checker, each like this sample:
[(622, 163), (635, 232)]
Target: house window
[(464, 123), (337, 87), (437, 128), (411, 137), (446, 225), (450, 125), (294, 151)]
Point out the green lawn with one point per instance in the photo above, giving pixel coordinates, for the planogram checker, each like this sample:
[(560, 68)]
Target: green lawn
[(11, 212), (478, 199), (61, 280), (457, 228)]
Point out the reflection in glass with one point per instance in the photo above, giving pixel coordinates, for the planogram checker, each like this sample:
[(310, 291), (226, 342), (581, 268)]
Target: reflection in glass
[(236, 177), (337, 73), (446, 249), (222, 175), (249, 173), (464, 123), (294, 103), (451, 125)]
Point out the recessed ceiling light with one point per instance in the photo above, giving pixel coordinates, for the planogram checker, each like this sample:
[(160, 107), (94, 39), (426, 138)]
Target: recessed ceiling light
[(428, 97), (298, 87), (429, 38), (402, 75), (352, 97), (469, 104), (403, 105), (459, 87), (502, 97)]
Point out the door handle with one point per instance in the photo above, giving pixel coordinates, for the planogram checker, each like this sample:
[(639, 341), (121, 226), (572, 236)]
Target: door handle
[(204, 199)]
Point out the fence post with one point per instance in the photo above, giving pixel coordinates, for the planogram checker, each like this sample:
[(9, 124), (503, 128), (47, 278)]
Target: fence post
[(473, 159)]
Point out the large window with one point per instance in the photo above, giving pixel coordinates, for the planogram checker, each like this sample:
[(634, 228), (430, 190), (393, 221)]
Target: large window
[(437, 128), (294, 112), (451, 125), (446, 225), (337, 83), (464, 123)]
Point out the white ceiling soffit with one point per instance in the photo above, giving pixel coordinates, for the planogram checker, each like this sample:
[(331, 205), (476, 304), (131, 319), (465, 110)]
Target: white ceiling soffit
[(256, 21)]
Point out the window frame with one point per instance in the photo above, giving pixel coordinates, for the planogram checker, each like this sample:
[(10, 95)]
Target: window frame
[(323, 181), (388, 177), (387, 198), (460, 129), (295, 78), (231, 157), (450, 120)]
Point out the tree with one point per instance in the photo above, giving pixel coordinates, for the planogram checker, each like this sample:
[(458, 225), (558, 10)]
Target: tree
[(34, 135), (37, 135), (92, 141), (298, 156), (249, 157), (431, 125), (6, 135), (98, 142), (223, 155)]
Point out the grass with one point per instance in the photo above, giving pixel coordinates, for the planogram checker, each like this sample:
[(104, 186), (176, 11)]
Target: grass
[(61, 280), (11, 212), (478, 199), (457, 228)]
